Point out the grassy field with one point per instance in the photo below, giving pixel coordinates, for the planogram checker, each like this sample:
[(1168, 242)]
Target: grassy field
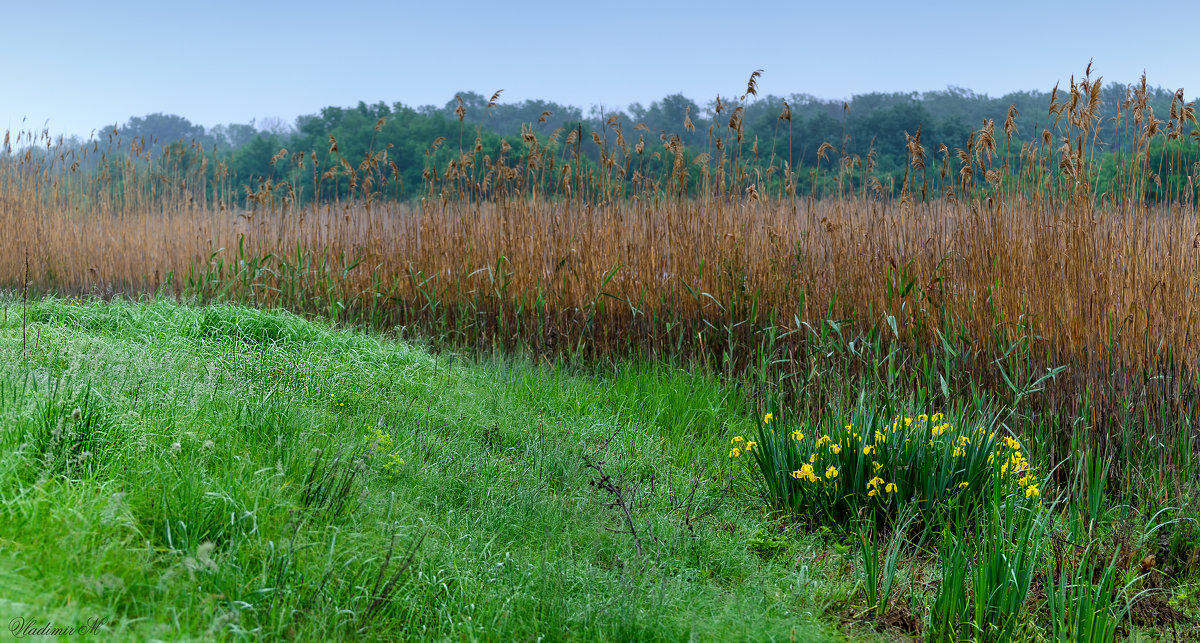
[(613, 390), (222, 472), (158, 473)]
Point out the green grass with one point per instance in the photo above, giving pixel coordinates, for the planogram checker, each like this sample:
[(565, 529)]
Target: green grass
[(199, 473), (223, 478)]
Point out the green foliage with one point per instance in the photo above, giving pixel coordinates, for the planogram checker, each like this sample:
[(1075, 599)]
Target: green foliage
[(866, 459), (1009, 554), (766, 544), (1083, 610), (951, 608), (245, 469)]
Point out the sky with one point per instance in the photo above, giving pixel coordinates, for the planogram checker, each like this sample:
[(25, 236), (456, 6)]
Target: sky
[(75, 66)]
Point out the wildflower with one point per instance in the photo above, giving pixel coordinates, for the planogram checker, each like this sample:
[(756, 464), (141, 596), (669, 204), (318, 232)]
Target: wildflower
[(768, 417), (736, 440), (735, 452), (964, 484), (922, 417), (908, 423), (890, 487), (1032, 491), (1011, 443), (879, 437), (850, 427), (822, 441), (936, 417), (831, 472), (812, 458), (835, 449), (959, 452), (798, 435), (877, 465), (394, 464), (963, 440), (806, 473), (750, 445), (868, 449)]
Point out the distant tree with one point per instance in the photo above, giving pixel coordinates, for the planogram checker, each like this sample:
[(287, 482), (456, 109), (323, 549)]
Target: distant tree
[(233, 135), (277, 126), (162, 129)]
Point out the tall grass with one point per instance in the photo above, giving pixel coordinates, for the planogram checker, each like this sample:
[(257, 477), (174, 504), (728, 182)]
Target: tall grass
[(996, 260)]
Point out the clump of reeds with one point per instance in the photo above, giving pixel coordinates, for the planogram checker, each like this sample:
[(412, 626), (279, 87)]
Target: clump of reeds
[(560, 244)]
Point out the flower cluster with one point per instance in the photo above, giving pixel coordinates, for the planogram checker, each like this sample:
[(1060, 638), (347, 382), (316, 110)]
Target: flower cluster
[(380, 442), (877, 486), (741, 445), (838, 468)]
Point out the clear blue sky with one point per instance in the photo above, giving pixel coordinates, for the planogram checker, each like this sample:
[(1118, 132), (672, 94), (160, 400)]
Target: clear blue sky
[(76, 65)]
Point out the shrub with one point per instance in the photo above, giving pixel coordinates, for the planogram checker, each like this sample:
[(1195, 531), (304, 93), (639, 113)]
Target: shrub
[(835, 468)]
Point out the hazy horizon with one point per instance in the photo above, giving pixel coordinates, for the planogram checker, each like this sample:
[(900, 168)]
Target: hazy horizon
[(230, 63)]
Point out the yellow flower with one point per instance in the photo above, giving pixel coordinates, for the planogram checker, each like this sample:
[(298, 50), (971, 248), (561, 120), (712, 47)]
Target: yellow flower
[(890, 487), (831, 472), (835, 449), (879, 437), (822, 441), (959, 452), (964, 485), (936, 417), (1032, 491), (922, 417), (868, 449), (806, 473), (812, 458), (737, 439), (768, 417), (382, 440), (871, 493), (797, 435), (877, 465), (907, 422), (850, 427), (735, 452)]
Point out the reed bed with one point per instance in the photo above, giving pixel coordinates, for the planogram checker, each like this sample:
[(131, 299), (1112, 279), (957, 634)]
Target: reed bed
[(720, 258)]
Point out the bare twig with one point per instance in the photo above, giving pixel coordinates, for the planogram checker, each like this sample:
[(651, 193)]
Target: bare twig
[(623, 496)]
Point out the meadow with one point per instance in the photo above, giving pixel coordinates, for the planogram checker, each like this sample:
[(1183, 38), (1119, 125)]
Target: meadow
[(609, 387)]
